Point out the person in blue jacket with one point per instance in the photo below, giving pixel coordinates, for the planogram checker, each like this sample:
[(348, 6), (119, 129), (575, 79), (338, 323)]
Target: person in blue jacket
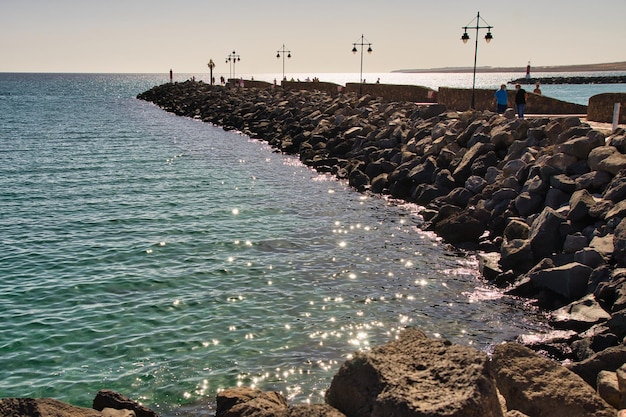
[(501, 99)]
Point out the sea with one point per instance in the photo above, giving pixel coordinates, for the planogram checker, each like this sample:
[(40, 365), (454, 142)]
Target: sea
[(168, 259)]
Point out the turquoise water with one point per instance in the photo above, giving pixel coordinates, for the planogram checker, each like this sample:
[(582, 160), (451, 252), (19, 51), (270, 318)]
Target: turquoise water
[(166, 258)]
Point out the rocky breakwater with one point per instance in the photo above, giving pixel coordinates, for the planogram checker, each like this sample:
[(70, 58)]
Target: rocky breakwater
[(540, 201)]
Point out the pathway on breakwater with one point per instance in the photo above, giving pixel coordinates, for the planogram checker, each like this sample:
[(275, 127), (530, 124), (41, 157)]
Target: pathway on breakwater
[(541, 199), (607, 79)]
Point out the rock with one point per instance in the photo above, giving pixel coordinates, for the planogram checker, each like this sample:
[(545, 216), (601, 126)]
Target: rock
[(603, 245), (594, 181), (249, 402), (537, 386), (616, 189), (528, 203), (579, 315), (488, 265), (617, 323), (606, 158), (416, 376), (475, 184), (620, 374), (608, 388), (314, 410), (590, 257), (580, 204), (516, 254), (574, 243), (516, 228), (563, 182), (545, 236), (460, 227), (42, 407), (608, 360), (112, 412), (463, 170), (619, 243), (582, 146), (111, 399), (568, 281)]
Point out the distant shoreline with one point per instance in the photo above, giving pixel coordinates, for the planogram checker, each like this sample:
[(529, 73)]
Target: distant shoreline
[(613, 66)]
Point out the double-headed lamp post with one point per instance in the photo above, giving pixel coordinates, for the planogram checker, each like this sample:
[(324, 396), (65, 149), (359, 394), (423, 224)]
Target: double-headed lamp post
[(284, 51), (233, 58), (211, 65), (466, 38), (362, 43)]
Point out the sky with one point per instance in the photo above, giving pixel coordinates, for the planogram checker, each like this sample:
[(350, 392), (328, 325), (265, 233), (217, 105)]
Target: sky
[(154, 36)]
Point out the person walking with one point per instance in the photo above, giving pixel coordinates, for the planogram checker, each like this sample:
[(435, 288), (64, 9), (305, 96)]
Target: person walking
[(501, 99), (520, 100)]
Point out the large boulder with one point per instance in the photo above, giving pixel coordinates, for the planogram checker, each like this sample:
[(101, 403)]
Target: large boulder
[(607, 158), (537, 386), (250, 402), (610, 359), (415, 376), (464, 226), (568, 281), (545, 233), (111, 399), (43, 407), (580, 315)]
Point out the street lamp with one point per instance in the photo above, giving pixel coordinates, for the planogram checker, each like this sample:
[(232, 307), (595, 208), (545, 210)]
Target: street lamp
[(362, 43), (233, 58), (211, 65), (288, 56), (466, 38)]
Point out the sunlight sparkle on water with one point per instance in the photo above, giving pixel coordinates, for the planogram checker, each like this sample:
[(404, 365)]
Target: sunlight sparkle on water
[(235, 211)]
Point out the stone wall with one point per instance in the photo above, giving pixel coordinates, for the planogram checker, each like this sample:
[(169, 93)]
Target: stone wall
[(395, 92), (460, 99), (330, 88), (601, 107), (391, 92)]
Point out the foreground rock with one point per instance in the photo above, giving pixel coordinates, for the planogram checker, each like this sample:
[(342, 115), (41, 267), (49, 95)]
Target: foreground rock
[(416, 376), (537, 386), (413, 376)]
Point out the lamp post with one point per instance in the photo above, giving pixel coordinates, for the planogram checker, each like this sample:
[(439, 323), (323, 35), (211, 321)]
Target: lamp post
[(466, 38), (211, 65), (362, 43), (288, 56), (233, 58)]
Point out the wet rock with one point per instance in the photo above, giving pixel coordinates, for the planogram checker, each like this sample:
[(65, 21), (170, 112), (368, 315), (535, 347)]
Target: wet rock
[(580, 315), (568, 281), (115, 400)]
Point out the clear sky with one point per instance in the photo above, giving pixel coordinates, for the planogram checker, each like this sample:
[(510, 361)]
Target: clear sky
[(155, 35)]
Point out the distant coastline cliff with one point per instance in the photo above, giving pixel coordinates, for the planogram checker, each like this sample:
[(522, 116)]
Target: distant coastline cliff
[(612, 66)]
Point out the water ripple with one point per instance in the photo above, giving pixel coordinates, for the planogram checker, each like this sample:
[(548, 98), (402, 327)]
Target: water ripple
[(167, 259)]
